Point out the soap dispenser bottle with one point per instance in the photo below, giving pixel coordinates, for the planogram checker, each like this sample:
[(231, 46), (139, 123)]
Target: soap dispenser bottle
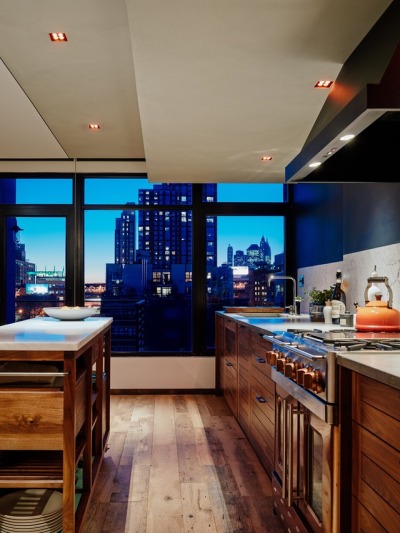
[(328, 312)]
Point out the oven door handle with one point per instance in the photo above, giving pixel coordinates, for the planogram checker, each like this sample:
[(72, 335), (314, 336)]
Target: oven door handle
[(290, 455), (292, 412), (284, 447)]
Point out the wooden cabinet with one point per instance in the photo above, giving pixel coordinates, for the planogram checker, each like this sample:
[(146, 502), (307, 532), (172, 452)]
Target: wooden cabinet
[(53, 434), (262, 403), (229, 365), (245, 380), (244, 362), (376, 455)]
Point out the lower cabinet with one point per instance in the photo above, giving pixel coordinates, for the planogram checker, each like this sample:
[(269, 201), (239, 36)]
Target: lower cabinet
[(244, 363), (262, 404), (229, 364), (376, 456), (245, 381)]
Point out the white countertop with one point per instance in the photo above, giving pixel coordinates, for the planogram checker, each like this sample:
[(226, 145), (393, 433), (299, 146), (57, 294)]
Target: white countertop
[(282, 323), (51, 334)]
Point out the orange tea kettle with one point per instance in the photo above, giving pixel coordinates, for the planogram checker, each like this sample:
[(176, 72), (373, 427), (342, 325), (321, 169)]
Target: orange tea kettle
[(377, 315)]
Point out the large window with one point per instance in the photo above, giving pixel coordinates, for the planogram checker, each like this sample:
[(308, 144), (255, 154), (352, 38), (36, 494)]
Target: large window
[(159, 258)]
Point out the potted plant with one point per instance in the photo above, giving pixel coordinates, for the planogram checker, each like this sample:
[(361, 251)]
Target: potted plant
[(317, 299)]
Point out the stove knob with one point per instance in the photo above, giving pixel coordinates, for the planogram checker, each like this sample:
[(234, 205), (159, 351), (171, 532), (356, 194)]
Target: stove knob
[(300, 376), (319, 381), (281, 361), (271, 356), (290, 369), (313, 380), (309, 380)]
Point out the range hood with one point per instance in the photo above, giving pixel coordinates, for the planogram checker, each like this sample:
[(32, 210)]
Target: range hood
[(364, 101)]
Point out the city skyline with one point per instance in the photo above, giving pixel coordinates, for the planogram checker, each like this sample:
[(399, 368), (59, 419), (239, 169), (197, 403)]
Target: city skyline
[(44, 238)]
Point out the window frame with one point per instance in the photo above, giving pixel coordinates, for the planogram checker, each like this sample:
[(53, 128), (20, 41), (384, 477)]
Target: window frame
[(74, 215)]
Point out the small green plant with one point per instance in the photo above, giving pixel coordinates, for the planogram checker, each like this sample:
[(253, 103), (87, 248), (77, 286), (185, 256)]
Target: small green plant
[(318, 296)]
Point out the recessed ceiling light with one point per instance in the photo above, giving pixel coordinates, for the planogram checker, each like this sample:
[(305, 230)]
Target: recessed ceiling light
[(323, 84), (347, 137), (58, 36), (94, 126), (266, 158), (315, 164)]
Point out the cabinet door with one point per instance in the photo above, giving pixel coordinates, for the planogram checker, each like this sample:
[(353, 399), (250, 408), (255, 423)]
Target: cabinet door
[(262, 403), (376, 456), (230, 372), (244, 362)]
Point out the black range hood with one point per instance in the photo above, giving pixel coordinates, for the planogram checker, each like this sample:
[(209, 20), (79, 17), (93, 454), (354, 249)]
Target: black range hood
[(365, 101)]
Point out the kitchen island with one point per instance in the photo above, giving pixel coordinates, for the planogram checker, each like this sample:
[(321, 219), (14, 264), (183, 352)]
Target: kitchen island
[(54, 408)]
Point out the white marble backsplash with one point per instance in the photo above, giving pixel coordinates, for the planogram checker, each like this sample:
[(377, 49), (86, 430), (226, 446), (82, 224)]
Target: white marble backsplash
[(356, 269)]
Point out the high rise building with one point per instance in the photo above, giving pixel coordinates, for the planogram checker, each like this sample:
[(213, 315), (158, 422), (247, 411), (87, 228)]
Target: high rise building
[(229, 255), (166, 233), (124, 246), (265, 251)]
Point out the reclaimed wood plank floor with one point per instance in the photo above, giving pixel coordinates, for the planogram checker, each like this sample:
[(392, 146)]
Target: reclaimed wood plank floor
[(179, 464)]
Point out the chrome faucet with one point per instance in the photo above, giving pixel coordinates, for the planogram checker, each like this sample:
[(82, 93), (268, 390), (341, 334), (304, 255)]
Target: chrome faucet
[(292, 308)]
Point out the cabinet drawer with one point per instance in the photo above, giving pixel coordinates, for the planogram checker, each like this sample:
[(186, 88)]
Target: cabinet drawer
[(261, 371), (262, 431), (230, 389), (244, 399), (384, 456), (262, 399), (380, 396), (375, 407), (31, 420), (376, 478), (259, 345), (244, 346)]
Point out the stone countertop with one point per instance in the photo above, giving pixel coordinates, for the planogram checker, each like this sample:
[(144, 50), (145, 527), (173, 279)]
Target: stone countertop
[(51, 334), (382, 366), (265, 324)]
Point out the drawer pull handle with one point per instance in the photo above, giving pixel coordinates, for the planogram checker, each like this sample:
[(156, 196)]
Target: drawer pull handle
[(228, 363), (261, 360), (34, 374), (260, 399), (31, 421)]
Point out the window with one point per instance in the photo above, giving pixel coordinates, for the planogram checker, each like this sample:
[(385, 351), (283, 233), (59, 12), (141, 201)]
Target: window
[(158, 258), (35, 191)]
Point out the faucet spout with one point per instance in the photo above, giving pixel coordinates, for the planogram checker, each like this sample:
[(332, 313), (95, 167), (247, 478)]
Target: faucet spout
[(292, 308)]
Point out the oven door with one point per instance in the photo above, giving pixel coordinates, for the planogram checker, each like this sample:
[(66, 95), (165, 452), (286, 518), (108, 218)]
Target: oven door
[(303, 467)]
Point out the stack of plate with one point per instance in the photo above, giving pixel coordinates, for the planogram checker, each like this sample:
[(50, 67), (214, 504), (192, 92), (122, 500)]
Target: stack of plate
[(33, 510)]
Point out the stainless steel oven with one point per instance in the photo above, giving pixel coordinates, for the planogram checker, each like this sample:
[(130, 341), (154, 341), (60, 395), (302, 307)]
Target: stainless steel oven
[(307, 435), (306, 452)]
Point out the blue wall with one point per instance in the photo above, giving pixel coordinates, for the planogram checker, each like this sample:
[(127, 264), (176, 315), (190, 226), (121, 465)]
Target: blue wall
[(332, 220)]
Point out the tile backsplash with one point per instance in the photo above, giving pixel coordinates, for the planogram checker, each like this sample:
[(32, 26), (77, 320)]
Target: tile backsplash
[(356, 269)]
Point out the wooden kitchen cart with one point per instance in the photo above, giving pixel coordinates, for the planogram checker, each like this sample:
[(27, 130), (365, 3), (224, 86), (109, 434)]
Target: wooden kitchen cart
[(53, 434)]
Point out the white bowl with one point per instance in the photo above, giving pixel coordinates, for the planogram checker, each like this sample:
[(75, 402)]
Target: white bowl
[(70, 313)]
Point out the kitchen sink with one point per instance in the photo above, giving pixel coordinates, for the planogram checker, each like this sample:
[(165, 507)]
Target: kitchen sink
[(262, 315)]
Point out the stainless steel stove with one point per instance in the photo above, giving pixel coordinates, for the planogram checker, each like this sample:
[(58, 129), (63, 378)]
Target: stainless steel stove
[(304, 368), (305, 361)]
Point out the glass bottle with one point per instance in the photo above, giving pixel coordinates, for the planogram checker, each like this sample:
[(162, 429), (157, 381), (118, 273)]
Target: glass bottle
[(337, 291)]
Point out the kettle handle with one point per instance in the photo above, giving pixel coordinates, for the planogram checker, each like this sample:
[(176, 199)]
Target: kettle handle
[(379, 279)]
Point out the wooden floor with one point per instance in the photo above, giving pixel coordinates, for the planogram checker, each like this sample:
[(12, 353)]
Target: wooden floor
[(179, 463)]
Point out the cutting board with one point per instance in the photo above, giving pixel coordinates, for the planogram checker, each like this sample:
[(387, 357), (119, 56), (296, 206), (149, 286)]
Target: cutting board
[(253, 309)]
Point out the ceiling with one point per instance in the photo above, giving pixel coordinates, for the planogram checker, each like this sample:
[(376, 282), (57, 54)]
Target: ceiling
[(185, 91)]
